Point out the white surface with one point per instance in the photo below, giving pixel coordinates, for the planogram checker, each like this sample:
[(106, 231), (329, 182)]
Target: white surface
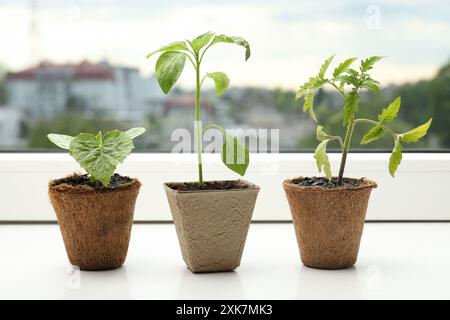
[(419, 191), (397, 261)]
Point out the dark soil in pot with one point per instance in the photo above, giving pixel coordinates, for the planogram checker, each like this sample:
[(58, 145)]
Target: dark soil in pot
[(212, 222), (328, 219), (95, 221)]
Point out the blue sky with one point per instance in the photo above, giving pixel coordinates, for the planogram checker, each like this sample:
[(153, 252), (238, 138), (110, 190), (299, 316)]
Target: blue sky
[(289, 38)]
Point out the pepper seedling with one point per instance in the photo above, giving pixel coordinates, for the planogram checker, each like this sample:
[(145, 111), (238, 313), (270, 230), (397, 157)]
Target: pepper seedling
[(99, 154), (169, 68), (348, 82)]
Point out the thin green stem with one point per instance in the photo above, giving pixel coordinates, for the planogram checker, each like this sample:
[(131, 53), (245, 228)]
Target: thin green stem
[(346, 147), (336, 87), (197, 121), (372, 122)]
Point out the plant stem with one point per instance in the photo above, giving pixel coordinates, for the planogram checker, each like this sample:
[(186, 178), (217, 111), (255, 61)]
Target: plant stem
[(197, 121), (348, 138)]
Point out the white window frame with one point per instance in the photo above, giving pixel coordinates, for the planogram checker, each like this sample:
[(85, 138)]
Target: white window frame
[(420, 191)]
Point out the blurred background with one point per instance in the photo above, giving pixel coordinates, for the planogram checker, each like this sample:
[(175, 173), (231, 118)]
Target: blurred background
[(71, 66)]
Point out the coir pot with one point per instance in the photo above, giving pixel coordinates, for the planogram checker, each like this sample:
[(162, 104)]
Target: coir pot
[(329, 222), (212, 225), (95, 223)]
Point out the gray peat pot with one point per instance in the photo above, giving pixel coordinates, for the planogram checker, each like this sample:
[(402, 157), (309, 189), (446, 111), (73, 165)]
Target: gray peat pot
[(328, 222), (212, 225)]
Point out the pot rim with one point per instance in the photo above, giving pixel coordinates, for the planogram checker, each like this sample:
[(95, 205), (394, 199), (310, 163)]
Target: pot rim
[(251, 187), (67, 188), (287, 184)]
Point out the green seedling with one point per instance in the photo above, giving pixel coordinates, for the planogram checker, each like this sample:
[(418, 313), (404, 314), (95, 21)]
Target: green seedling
[(348, 82), (169, 68), (99, 154)]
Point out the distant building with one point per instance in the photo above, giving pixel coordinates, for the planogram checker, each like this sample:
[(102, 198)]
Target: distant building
[(10, 120), (46, 89)]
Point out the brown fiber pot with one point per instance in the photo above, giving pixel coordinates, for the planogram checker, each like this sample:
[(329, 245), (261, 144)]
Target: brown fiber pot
[(95, 224), (212, 225), (328, 222)]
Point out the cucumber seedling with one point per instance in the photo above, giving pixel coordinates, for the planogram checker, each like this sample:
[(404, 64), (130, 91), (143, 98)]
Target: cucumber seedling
[(99, 154)]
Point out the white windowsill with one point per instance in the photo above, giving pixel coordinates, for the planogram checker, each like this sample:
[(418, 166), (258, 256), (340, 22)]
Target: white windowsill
[(396, 261), (419, 191)]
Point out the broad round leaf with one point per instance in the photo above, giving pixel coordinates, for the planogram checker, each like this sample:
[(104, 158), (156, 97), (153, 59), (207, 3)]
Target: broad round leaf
[(234, 40), (235, 155), (135, 132), (61, 140), (169, 67), (174, 46), (221, 81), (201, 41), (99, 155)]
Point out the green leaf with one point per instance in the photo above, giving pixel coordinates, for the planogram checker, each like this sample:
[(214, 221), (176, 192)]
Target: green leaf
[(396, 158), (374, 134), (344, 66), (235, 155), (390, 113), (415, 134), (368, 63), (169, 67), (221, 81), (372, 87), (322, 160), (309, 105), (61, 140), (320, 134), (234, 40), (201, 41), (174, 46), (135, 132), (324, 67), (351, 105), (100, 154)]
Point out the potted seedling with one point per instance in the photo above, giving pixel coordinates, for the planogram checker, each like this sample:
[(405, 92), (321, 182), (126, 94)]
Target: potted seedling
[(95, 210), (329, 212), (211, 217)]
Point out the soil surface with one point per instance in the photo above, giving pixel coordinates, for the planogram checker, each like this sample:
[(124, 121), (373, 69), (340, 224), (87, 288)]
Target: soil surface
[(325, 183), (208, 185), (83, 180)]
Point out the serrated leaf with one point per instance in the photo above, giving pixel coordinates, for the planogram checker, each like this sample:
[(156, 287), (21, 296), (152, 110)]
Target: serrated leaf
[(324, 67), (135, 132), (201, 41), (374, 134), (353, 72), (351, 105), (344, 66), (100, 154), (320, 134), (221, 81), (61, 140), (322, 161), (415, 134), (368, 63), (309, 105), (235, 155), (390, 113), (174, 46), (396, 158), (372, 87), (169, 67), (234, 40)]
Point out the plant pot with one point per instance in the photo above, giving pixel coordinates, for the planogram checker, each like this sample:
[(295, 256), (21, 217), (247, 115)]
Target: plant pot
[(212, 225), (95, 223), (328, 221)]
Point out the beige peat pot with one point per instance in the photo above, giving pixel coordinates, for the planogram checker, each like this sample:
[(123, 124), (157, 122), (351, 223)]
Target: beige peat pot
[(328, 222), (212, 225), (95, 224)]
